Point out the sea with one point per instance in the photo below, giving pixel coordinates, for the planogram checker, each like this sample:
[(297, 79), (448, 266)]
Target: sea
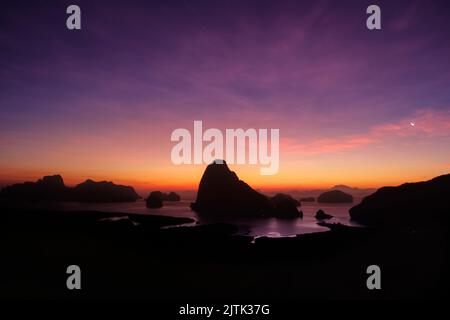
[(257, 227)]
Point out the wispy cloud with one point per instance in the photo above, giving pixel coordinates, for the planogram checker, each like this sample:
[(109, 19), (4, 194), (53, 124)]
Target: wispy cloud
[(422, 124)]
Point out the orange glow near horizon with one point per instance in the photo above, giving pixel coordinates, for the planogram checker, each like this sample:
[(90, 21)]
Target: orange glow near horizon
[(102, 103), (388, 154), (187, 177)]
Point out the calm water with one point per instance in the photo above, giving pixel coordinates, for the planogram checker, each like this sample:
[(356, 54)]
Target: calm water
[(254, 226)]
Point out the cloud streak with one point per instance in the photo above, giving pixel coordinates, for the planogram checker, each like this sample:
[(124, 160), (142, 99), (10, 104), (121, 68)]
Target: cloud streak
[(425, 124)]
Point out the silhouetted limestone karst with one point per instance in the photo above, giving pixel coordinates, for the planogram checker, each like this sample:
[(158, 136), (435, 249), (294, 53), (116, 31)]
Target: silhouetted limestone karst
[(54, 182), (53, 188), (287, 209), (221, 192), (321, 215), (285, 206), (103, 191), (308, 199), (282, 198), (157, 194), (171, 196), (335, 196), (411, 204), (154, 201), (355, 192), (156, 198), (47, 188)]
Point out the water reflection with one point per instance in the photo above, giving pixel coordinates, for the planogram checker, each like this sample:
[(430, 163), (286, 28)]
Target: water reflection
[(254, 226)]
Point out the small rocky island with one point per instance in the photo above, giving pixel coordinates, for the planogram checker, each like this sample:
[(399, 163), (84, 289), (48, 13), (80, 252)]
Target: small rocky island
[(335, 196), (282, 198), (285, 206), (321, 215), (156, 198)]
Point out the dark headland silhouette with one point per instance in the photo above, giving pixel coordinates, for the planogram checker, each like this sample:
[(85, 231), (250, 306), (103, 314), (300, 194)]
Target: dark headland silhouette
[(410, 204), (221, 192), (52, 188)]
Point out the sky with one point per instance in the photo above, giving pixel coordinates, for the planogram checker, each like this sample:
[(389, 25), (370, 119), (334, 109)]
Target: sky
[(354, 106)]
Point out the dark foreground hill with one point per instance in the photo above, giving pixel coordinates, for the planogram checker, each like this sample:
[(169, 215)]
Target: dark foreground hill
[(411, 204), (124, 255)]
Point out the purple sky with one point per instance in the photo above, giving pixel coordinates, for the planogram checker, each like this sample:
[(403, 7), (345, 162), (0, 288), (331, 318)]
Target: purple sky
[(79, 101)]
